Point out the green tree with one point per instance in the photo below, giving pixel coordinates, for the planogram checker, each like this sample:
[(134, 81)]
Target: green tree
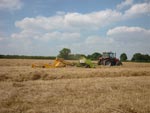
[(146, 58), (94, 56), (64, 53), (138, 57), (123, 57)]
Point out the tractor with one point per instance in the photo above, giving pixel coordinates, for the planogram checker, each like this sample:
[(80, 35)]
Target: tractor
[(109, 59)]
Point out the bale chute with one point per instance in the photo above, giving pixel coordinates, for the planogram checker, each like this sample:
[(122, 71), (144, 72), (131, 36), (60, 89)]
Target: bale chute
[(87, 63)]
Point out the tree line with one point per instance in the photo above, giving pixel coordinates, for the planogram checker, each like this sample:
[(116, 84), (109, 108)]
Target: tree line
[(137, 57), (26, 57), (66, 54)]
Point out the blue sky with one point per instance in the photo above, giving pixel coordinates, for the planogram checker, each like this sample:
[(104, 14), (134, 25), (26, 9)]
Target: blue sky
[(44, 27)]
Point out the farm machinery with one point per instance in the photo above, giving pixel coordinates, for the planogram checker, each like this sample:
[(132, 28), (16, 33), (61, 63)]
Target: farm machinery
[(58, 62), (87, 63), (109, 59)]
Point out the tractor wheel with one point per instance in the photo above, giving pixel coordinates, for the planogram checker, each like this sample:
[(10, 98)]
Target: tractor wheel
[(87, 66), (99, 62), (108, 63), (118, 63)]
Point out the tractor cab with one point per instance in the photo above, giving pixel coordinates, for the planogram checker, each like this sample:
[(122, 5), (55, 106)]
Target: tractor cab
[(109, 55)]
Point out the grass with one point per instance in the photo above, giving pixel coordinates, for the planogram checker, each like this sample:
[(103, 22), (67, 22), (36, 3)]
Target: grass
[(124, 89)]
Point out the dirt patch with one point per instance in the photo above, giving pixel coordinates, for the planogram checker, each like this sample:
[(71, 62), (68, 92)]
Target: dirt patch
[(3, 77)]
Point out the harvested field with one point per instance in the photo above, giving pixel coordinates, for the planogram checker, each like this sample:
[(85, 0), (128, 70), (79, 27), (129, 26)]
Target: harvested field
[(123, 89)]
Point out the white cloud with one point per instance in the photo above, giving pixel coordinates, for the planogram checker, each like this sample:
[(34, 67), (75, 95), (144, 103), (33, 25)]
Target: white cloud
[(10, 4), (64, 27), (45, 23), (124, 4), (94, 20), (68, 37), (78, 22), (93, 40), (47, 36), (13, 46), (64, 30), (131, 39), (75, 31), (129, 33), (137, 10), (26, 34), (71, 21), (1, 38)]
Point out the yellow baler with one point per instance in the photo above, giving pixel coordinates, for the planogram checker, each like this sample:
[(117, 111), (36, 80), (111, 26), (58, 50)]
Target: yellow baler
[(59, 62)]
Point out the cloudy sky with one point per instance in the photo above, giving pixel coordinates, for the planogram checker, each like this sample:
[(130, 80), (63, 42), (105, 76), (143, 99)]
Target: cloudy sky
[(44, 27)]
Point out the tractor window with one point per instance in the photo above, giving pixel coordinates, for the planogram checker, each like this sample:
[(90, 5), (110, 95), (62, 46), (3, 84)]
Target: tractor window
[(105, 55), (112, 55), (109, 55)]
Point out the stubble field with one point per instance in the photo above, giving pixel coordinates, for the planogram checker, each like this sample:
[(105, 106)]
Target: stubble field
[(123, 89)]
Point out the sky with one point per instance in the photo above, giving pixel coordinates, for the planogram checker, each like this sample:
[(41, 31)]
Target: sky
[(44, 27)]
